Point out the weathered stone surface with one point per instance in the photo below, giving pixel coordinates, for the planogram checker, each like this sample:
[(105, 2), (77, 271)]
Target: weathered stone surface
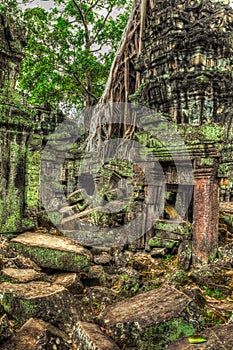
[(226, 251), (103, 259), (103, 238), (4, 244), (96, 276), (21, 262), (172, 230), (49, 302), (51, 251), (5, 328), (71, 281), (218, 338), (158, 252), (156, 317), (88, 336), (159, 243), (36, 334), (21, 275), (75, 197), (95, 300), (184, 255)]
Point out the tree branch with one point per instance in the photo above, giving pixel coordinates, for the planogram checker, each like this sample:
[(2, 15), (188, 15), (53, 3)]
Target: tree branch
[(104, 22), (84, 21)]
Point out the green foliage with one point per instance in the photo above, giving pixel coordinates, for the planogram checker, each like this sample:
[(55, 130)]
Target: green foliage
[(70, 50), (217, 294), (9, 8)]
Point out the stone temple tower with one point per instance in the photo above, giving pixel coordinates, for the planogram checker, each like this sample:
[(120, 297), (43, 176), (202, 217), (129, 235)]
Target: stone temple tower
[(176, 58), (186, 72)]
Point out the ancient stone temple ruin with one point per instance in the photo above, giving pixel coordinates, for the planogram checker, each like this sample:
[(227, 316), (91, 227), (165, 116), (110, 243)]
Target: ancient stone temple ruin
[(176, 58)]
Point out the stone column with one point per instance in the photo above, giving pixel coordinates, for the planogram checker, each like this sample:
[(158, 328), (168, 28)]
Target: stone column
[(205, 214)]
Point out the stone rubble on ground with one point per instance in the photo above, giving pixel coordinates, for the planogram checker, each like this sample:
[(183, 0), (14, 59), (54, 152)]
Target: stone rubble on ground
[(101, 303)]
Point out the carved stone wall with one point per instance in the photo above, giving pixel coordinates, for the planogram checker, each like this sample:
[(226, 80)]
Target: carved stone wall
[(180, 59), (23, 130)]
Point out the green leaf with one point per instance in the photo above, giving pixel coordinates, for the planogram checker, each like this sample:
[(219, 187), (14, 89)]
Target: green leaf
[(196, 339)]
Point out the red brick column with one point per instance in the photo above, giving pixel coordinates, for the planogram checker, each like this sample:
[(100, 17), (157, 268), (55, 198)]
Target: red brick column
[(205, 216)]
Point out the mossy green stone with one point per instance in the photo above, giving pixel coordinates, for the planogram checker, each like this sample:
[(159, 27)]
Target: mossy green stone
[(162, 243), (51, 251)]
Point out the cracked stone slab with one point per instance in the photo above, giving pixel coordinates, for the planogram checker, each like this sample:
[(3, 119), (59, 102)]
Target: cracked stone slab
[(14, 275), (159, 316), (55, 252), (218, 338), (88, 336), (36, 334), (50, 302)]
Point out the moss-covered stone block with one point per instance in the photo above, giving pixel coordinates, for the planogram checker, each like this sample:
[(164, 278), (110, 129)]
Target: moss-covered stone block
[(165, 243), (50, 302), (173, 229), (55, 252), (150, 321)]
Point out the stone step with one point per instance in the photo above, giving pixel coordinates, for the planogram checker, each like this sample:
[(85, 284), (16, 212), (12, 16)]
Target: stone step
[(88, 336), (55, 252), (50, 302), (36, 334), (173, 229), (160, 316)]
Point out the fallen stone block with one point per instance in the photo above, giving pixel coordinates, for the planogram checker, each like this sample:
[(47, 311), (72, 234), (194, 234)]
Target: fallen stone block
[(103, 259), (50, 302), (55, 252), (158, 252), (173, 230), (218, 338), (36, 334), (97, 238), (156, 242), (20, 262), (21, 275), (5, 328), (95, 276), (156, 317), (88, 336), (70, 281)]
